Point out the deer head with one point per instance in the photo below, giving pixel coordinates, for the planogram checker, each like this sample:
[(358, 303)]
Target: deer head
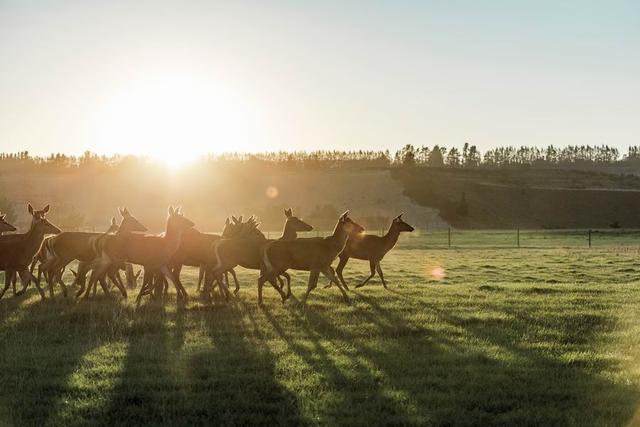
[(177, 222), (293, 223), (399, 224), (39, 223), (129, 223), (4, 225), (348, 226)]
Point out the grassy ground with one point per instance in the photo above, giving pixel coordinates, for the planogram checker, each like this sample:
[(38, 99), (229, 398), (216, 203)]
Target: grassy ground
[(464, 337)]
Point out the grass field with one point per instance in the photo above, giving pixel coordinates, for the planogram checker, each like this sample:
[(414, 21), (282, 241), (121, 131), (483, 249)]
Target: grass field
[(464, 337)]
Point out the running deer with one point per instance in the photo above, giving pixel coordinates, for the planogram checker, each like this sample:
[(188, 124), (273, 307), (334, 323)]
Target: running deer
[(314, 255), (152, 252), (371, 248), (101, 264), (246, 250), (58, 251), (17, 250), (194, 250)]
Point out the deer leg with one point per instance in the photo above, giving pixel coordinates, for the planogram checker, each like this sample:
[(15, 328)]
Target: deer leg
[(288, 278), (25, 278), (117, 280), (7, 282), (372, 266), (261, 281), (235, 280), (313, 282), (182, 293), (201, 272), (379, 270), (330, 274), (146, 278), (98, 273), (14, 281), (62, 285), (341, 264)]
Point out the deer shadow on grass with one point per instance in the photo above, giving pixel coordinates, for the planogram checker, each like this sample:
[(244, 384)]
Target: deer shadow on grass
[(41, 350), (237, 373), (359, 398), (453, 381)]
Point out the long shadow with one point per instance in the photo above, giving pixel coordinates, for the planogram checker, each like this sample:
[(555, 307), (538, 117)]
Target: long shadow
[(235, 378), (145, 393), (360, 392), (40, 352), (518, 385)]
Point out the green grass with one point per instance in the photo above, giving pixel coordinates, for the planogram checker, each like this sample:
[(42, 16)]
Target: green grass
[(530, 336)]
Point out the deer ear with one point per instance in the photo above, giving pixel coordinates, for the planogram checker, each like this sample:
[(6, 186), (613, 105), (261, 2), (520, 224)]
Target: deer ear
[(113, 220), (171, 210), (288, 212), (226, 221), (2, 217), (46, 209), (126, 212), (179, 209), (30, 208), (234, 219), (240, 218), (344, 215)]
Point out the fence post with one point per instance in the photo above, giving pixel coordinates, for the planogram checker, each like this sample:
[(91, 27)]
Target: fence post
[(589, 237), (518, 236), (449, 237)]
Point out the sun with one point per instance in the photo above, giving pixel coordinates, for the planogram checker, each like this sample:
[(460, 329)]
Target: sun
[(175, 117)]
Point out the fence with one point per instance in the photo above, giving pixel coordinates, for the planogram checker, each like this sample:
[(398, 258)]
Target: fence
[(505, 238), (509, 238)]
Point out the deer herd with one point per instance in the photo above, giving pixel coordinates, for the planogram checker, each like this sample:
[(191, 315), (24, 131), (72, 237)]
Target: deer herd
[(101, 257)]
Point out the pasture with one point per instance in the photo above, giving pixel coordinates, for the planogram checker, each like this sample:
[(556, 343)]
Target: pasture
[(464, 337)]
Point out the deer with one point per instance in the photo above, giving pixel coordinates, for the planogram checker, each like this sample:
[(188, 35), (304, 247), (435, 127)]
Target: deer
[(128, 225), (314, 255), (17, 250), (371, 248), (194, 251), (152, 252), (246, 250), (58, 251)]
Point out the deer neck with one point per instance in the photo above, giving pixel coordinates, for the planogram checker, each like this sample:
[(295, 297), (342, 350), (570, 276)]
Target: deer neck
[(172, 239), (391, 237), (288, 233), (33, 239)]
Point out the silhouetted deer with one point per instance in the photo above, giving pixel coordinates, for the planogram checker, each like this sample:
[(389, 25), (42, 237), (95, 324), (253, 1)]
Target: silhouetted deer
[(371, 248), (195, 248), (103, 265), (246, 250), (17, 250), (308, 254), (152, 252), (57, 251)]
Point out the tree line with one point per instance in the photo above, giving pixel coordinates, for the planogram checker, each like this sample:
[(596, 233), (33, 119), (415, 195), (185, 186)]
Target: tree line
[(436, 156)]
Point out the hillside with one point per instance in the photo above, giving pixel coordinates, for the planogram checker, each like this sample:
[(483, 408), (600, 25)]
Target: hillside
[(484, 198), (209, 195)]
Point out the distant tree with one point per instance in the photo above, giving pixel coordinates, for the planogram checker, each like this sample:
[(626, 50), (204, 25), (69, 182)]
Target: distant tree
[(453, 158), (436, 160)]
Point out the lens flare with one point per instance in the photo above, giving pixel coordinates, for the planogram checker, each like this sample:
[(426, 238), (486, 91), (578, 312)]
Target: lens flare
[(271, 192), (437, 273)]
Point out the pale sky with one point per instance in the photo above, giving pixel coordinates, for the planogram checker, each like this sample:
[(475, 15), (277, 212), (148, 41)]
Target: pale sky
[(152, 76)]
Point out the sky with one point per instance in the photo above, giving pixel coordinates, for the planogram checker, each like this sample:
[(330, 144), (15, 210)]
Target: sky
[(176, 79)]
